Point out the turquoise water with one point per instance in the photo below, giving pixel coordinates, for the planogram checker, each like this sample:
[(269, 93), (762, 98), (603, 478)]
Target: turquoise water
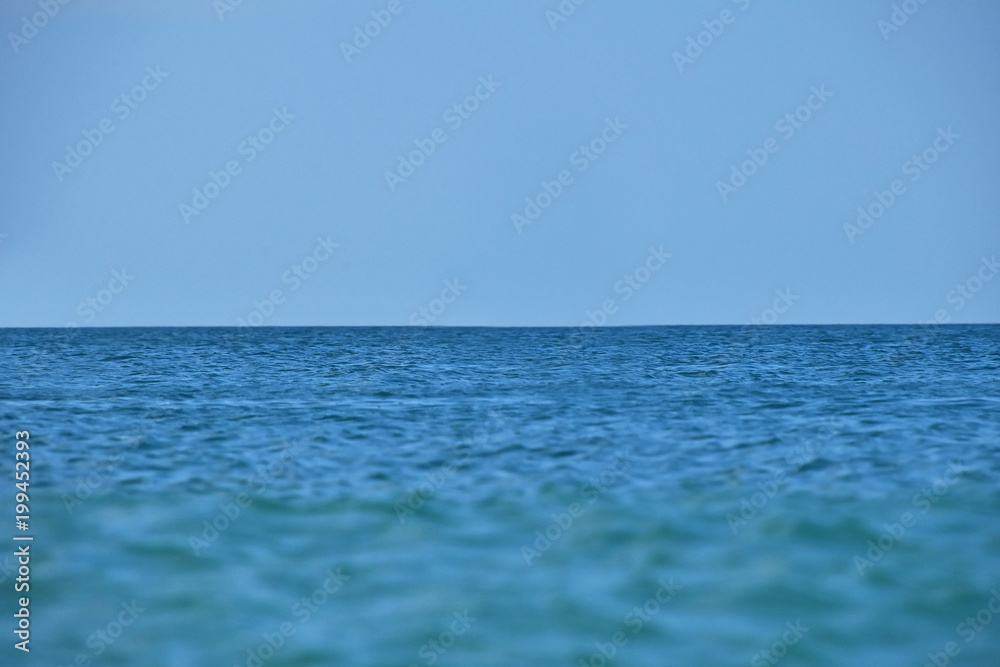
[(394, 496)]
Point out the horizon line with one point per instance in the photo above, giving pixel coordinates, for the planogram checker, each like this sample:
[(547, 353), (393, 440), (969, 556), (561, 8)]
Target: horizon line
[(499, 326)]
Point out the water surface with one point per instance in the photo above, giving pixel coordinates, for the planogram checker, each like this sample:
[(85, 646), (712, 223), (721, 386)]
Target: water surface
[(508, 496)]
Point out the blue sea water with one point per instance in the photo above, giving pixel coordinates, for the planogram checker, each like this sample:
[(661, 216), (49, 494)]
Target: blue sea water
[(400, 496)]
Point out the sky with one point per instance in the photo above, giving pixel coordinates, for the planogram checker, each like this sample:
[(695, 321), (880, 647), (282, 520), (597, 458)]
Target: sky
[(517, 163)]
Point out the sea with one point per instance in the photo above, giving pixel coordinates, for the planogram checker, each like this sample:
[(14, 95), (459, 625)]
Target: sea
[(648, 496)]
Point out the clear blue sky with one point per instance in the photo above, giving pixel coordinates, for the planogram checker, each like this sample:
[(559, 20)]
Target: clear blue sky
[(329, 122)]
